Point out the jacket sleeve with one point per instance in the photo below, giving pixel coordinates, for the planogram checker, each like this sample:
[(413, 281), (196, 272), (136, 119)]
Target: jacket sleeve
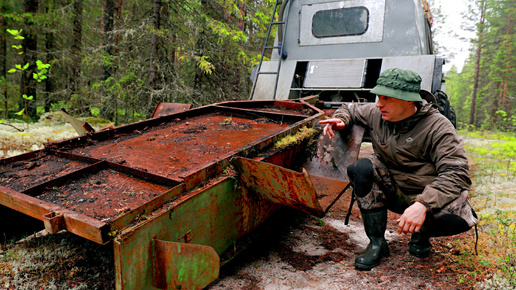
[(451, 163), (355, 113)]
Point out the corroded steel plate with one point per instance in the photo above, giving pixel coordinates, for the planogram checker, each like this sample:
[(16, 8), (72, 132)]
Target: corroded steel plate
[(98, 183)]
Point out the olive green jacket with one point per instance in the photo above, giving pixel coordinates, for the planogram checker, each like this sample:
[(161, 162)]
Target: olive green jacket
[(424, 152)]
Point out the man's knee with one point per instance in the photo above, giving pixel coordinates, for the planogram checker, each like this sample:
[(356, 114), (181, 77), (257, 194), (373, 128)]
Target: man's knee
[(361, 174), (456, 217), (447, 225)]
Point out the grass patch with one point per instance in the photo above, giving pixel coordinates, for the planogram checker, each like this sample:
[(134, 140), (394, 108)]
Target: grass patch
[(493, 162)]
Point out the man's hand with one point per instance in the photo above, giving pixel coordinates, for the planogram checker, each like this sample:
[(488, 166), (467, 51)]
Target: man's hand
[(332, 124), (412, 219)]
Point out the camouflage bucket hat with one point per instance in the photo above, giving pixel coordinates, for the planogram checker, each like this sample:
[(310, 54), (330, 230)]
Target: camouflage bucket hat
[(399, 83)]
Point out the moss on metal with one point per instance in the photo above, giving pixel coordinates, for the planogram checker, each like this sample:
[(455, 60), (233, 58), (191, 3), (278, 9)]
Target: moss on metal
[(301, 135)]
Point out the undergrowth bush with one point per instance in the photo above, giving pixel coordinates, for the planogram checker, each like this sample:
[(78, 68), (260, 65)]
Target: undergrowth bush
[(493, 163)]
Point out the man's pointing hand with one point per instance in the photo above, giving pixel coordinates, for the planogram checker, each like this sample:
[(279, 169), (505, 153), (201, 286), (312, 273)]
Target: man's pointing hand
[(332, 124)]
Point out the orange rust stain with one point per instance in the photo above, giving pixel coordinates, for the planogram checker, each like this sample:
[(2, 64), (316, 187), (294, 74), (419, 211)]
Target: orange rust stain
[(175, 148)]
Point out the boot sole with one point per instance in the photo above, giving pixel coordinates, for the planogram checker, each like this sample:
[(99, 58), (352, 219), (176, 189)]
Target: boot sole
[(364, 267), (419, 253), (368, 267)]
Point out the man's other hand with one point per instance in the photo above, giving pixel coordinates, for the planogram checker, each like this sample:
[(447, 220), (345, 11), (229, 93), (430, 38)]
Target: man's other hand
[(412, 219), (332, 124)]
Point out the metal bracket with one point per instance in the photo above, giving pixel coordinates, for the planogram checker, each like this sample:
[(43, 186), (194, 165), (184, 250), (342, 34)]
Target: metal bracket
[(183, 266), (54, 222)]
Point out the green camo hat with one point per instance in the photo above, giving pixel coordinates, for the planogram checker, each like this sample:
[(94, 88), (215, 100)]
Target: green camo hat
[(399, 83)]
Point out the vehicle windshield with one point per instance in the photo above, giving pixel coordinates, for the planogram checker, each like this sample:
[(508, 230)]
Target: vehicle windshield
[(340, 22)]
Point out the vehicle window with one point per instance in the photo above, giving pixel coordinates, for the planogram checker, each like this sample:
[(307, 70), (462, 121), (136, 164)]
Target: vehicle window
[(340, 22)]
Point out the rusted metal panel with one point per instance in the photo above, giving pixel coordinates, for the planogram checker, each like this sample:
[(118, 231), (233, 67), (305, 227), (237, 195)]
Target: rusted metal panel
[(278, 184), (159, 179), (163, 109), (191, 147), (76, 223), (327, 189), (80, 127), (181, 146), (216, 215), (52, 184), (334, 155), (184, 266), (25, 171), (54, 222), (145, 209), (284, 108), (328, 167)]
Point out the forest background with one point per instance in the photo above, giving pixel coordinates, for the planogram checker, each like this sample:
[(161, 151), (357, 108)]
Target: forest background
[(116, 60)]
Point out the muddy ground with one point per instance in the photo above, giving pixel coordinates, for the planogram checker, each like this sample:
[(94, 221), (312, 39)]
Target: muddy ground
[(303, 252)]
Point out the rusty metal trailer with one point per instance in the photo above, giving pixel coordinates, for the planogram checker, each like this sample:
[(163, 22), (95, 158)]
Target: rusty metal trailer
[(175, 193)]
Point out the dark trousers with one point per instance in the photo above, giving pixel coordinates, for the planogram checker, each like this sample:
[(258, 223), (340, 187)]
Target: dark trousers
[(375, 188)]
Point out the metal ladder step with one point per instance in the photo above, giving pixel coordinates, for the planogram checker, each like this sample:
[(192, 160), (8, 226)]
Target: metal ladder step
[(265, 47)]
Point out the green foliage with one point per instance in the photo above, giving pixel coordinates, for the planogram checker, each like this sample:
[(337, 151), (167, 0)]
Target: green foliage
[(497, 157), (42, 70), (95, 111), (40, 110), (204, 64), (497, 67), (38, 76), (59, 105), (202, 52), (304, 133)]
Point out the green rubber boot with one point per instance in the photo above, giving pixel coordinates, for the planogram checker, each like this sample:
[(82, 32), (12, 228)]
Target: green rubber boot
[(375, 224)]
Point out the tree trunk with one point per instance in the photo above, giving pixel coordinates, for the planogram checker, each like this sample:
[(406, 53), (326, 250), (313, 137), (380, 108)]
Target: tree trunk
[(151, 82), (199, 51), (76, 46), (3, 62), (50, 48), (477, 63), (241, 26), (505, 81), (108, 9), (107, 29), (50, 83), (156, 7)]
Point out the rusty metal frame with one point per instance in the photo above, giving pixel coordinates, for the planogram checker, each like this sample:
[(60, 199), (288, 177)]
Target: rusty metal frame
[(203, 213)]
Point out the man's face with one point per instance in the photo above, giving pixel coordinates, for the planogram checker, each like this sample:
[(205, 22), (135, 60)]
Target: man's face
[(394, 110)]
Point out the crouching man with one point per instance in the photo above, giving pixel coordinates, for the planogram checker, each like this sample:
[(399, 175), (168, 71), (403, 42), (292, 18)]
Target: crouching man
[(419, 168)]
